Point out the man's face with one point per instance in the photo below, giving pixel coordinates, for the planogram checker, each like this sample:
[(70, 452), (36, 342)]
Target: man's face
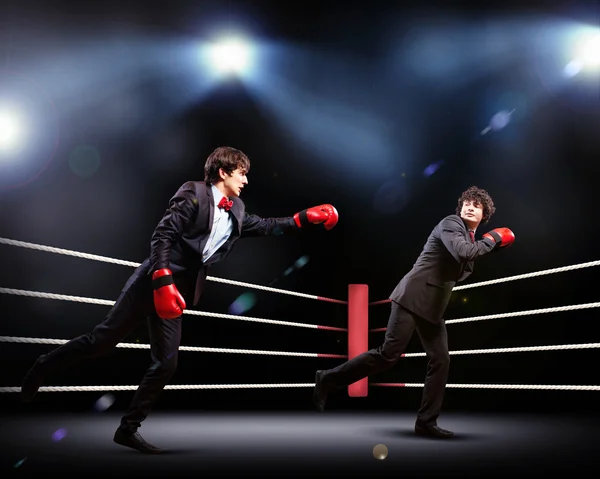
[(471, 213), (234, 183)]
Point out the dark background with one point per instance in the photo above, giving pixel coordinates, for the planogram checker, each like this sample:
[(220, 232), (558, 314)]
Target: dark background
[(351, 105)]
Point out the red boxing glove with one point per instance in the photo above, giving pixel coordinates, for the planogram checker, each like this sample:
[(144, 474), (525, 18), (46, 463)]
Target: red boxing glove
[(326, 214), (168, 301), (503, 237), (333, 217)]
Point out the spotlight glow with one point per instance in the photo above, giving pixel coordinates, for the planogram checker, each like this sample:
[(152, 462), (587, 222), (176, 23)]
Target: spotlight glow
[(573, 68), (587, 53), (12, 129), (230, 56), (590, 51)]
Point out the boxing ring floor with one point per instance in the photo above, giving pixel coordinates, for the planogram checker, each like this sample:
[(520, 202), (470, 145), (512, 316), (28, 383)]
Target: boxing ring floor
[(299, 444)]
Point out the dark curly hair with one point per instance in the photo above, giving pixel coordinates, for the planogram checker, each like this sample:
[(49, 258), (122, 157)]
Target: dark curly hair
[(478, 196), (227, 158)]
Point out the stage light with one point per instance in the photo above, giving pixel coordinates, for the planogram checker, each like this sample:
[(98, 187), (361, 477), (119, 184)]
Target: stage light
[(590, 52), (12, 129), (587, 55), (230, 56)]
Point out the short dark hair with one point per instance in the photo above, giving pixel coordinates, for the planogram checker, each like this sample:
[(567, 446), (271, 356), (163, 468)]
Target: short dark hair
[(227, 158), (479, 196)]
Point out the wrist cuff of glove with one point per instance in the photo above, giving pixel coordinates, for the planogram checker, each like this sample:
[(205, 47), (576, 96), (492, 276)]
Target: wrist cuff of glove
[(161, 277), (496, 236), (303, 217)]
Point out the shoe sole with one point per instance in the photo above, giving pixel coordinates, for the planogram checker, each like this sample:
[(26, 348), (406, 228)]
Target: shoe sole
[(434, 436), (143, 451)]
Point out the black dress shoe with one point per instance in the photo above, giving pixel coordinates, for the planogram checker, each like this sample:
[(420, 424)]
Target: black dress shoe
[(135, 441), (32, 381), (432, 431), (320, 392)]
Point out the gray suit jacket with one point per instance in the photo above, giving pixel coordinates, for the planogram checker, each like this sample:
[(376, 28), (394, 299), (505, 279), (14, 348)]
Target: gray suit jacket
[(446, 259)]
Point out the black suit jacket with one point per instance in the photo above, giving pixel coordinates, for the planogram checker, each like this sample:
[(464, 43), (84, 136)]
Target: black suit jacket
[(446, 259), (181, 235)]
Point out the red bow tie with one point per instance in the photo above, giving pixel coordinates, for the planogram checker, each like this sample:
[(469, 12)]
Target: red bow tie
[(225, 204)]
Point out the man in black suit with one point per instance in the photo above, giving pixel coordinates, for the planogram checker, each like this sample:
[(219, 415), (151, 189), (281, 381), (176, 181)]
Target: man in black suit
[(199, 228), (419, 301)]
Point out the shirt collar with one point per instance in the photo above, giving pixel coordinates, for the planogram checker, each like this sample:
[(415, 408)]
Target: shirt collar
[(217, 195)]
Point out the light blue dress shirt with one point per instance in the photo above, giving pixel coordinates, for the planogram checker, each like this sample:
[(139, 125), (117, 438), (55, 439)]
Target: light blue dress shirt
[(221, 228)]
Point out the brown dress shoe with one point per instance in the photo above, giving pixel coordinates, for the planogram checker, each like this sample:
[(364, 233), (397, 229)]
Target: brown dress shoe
[(135, 441), (432, 431), (32, 381), (320, 392)]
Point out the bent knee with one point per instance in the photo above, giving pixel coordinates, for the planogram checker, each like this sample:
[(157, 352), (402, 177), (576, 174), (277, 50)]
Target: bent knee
[(165, 367), (391, 354), (442, 360)]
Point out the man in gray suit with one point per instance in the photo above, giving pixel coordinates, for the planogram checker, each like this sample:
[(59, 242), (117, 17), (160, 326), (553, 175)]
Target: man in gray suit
[(419, 301)]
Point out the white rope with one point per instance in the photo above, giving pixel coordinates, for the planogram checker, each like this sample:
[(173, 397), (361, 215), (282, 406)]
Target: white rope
[(513, 278), (256, 320), (265, 288), (62, 297), (106, 259), (302, 385), (105, 302), (559, 347), (50, 249), (94, 257), (80, 299), (525, 313), (58, 389), (22, 340), (528, 275), (516, 313), (496, 386)]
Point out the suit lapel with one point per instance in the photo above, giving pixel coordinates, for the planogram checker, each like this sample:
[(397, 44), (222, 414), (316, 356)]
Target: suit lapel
[(211, 206), (467, 266), (236, 209), (465, 231)]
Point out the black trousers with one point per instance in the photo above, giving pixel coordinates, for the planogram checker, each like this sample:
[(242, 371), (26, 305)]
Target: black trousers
[(401, 326), (134, 305)]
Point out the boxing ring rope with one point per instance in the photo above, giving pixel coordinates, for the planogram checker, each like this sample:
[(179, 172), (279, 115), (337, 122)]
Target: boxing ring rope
[(106, 259), (535, 274), (13, 339), (512, 315), (57, 389), (549, 387), (80, 299), (106, 302), (357, 317), (521, 349)]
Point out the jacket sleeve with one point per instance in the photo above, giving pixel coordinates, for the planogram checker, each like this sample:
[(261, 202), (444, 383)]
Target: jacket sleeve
[(256, 226), (181, 211), (453, 238)]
